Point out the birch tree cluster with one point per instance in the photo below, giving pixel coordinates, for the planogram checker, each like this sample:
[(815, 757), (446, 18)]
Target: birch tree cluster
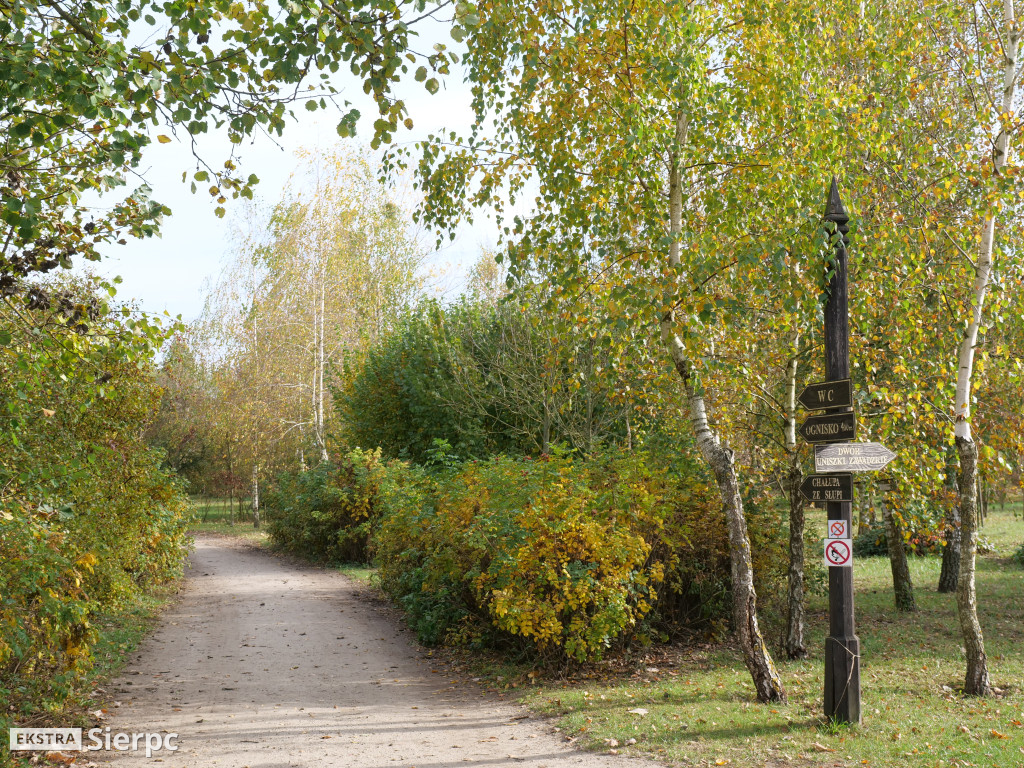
[(670, 276), (320, 277), (677, 157)]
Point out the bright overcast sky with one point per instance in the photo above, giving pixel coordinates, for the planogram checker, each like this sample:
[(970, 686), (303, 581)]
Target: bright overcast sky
[(168, 273)]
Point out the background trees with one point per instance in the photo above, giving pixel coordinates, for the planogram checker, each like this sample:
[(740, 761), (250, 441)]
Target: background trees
[(324, 276)]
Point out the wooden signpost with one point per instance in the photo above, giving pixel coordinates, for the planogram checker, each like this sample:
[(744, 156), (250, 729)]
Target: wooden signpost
[(842, 646), (835, 459)]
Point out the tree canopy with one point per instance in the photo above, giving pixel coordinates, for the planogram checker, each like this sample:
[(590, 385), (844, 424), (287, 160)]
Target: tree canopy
[(85, 87)]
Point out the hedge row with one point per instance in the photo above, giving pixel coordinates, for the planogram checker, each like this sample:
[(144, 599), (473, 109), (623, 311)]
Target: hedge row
[(88, 519), (562, 557)]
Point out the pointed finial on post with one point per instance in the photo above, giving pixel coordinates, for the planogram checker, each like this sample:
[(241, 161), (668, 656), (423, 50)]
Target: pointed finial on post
[(835, 212)]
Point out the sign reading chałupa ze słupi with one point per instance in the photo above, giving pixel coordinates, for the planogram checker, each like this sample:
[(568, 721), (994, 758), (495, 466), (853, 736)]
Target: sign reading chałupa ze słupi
[(828, 487)]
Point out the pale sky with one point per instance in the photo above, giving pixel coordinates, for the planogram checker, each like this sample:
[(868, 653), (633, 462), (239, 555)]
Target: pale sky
[(168, 273)]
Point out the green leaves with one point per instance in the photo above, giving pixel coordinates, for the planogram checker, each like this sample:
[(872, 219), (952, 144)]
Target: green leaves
[(78, 94)]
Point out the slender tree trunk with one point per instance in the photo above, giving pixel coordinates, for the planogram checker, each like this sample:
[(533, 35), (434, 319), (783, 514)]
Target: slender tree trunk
[(796, 647), (980, 501), (320, 358), (949, 576), (902, 585), (545, 437), (255, 496), (858, 509), (720, 459), (231, 488), (976, 681), (983, 498), (795, 644), (590, 397)]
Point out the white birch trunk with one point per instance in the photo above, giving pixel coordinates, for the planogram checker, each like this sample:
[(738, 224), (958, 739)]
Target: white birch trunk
[(977, 681), (321, 365), (255, 496), (795, 645), (721, 461)]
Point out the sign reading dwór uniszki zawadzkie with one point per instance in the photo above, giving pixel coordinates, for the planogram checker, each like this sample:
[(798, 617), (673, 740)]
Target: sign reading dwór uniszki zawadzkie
[(851, 457)]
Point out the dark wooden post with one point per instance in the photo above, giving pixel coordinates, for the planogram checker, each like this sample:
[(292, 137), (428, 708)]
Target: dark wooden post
[(842, 646)]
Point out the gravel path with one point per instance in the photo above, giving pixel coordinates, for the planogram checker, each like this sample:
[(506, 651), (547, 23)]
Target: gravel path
[(262, 663)]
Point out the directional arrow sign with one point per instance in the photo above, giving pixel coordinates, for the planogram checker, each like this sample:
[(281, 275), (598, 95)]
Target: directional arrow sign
[(829, 427), (828, 488), (851, 457), (827, 394)]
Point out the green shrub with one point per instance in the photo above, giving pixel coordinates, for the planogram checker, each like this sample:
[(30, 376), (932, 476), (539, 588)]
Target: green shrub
[(88, 519), (488, 379), (871, 543), (1018, 556), (325, 513), (563, 558)]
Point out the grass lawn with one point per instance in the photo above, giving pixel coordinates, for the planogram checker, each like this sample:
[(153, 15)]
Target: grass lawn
[(698, 707), (357, 571)]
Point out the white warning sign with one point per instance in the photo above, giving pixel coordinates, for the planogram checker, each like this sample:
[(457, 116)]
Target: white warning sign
[(838, 529), (838, 553)]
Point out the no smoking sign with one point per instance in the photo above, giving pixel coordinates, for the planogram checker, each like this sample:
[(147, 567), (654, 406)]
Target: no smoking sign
[(838, 553)]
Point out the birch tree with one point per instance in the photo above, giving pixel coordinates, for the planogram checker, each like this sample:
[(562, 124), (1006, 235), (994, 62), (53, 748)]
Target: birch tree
[(322, 276), (614, 112), (1002, 96)]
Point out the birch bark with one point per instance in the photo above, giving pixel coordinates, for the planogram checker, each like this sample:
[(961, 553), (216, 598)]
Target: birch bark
[(977, 680), (795, 645), (255, 496), (720, 459)]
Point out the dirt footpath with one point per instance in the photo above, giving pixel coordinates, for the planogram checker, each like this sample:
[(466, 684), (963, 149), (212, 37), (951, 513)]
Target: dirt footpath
[(265, 664)]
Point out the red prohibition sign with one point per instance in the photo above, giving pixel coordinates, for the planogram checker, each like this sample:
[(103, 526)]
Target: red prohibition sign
[(838, 552), (838, 528)]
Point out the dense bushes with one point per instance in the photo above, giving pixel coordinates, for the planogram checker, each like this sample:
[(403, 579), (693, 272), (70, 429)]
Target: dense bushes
[(560, 557), (488, 379), (537, 551), (871, 543), (88, 520), (325, 513), (399, 395)]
